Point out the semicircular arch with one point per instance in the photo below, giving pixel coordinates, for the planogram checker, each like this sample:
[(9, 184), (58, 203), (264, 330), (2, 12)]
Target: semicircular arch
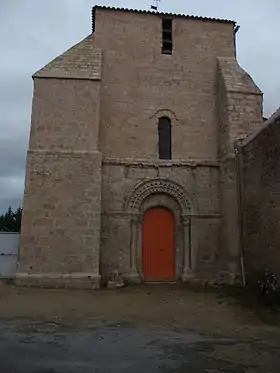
[(165, 113), (142, 190)]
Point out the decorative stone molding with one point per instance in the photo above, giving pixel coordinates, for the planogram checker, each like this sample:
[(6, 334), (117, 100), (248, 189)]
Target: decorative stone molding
[(155, 163), (185, 219), (165, 113), (171, 195), (144, 189)]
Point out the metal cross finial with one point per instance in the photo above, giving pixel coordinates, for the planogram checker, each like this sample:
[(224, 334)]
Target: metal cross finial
[(155, 5)]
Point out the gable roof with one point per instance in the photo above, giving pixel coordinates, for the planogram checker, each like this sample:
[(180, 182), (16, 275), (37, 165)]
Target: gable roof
[(162, 14)]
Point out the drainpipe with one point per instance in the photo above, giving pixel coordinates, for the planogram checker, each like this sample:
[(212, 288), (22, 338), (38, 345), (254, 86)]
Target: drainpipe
[(235, 31), (239, 163)]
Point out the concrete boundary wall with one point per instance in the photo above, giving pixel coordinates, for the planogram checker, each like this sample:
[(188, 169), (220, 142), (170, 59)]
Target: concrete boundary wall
[(9, 247)]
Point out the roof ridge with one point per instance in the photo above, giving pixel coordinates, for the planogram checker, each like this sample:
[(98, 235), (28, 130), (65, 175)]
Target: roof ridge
[(104, 7)]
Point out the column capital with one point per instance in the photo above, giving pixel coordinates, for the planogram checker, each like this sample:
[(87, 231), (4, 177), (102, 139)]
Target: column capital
[(135, 218), (185, 220)]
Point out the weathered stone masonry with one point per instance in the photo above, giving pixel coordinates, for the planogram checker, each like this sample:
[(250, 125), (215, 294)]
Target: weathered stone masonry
[(260, 175), (93, 167)]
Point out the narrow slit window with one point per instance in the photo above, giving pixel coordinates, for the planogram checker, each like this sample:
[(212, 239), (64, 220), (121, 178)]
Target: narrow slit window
[(164, 138), (167, 44)]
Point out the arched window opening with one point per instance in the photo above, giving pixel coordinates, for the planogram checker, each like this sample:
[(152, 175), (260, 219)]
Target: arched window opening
[(164, 138)]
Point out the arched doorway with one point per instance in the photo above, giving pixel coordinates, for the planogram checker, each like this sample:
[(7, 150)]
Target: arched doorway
[(158, 245)]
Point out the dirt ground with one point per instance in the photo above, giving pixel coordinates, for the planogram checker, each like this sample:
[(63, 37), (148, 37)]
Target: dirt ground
[(155, 328)]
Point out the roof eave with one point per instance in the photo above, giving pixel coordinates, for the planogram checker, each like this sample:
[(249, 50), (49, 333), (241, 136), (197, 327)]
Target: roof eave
[(162, 14)]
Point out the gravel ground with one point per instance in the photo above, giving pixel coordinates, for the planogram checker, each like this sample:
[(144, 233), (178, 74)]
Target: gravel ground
[(164, 328)]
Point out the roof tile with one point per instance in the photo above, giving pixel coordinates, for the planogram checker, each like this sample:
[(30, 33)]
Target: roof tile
[(206, 19)]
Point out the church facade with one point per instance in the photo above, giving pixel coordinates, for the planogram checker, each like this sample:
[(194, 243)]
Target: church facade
[(131, 167)]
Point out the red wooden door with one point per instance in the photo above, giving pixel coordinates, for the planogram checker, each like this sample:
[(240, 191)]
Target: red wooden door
[(158, 240)]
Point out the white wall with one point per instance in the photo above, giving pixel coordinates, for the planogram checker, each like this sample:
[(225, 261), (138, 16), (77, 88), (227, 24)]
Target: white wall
[(9, 247)]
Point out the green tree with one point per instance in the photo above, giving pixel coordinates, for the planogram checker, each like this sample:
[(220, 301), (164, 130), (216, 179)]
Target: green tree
[(11, 221)]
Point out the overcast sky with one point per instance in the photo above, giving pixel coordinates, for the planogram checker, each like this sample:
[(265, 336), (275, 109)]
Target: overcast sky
[(33, 32)]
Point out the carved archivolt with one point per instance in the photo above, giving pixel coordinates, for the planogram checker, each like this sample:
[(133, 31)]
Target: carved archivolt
[(165, 113), (155, 186)]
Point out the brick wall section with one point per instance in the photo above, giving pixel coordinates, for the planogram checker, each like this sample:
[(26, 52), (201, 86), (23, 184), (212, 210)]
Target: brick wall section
[(240, 104), (58, 234), (200, 180), (61, 221), (261, 199), (138, 81), (68, 119), (240, 114), (82, 61)]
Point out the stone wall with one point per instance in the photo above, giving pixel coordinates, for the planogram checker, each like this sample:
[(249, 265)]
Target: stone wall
[(140, 84), (93, 167), (261, 198), (65, 115), (200, 182), (240, 114), (61, 220)]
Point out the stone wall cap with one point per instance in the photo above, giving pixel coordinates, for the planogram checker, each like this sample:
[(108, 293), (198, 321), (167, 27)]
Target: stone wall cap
[(273, 119)]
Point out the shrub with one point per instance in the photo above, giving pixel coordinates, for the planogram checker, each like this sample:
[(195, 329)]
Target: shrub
[(268, 289)]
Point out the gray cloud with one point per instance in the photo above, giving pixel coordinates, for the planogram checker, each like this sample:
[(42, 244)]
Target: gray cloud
[(12, 170), (33, 32)]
